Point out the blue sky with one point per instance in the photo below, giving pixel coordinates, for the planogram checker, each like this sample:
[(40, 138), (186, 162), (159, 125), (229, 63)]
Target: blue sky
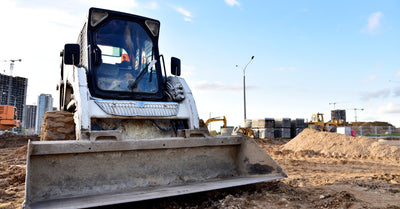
[(307, 54)]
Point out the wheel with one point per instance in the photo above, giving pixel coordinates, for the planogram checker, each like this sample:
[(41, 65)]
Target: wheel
[(332, 128), (57, 125), (319, 128)]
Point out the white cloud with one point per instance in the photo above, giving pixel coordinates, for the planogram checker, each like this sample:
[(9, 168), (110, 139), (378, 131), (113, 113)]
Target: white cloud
[(374, 22), (232, 3), (397, 74), (187, 19), (370, 78), (188, 70), (187, 14), (389, 108), (152, 5), (377, 94), (216, 86), (396, 91), (37, 36), (378, 66)]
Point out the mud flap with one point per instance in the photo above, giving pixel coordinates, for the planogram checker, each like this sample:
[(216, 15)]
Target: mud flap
[(77, 174)]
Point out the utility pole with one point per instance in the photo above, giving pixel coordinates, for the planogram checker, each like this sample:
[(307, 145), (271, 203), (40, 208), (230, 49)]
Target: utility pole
[(244, 87)]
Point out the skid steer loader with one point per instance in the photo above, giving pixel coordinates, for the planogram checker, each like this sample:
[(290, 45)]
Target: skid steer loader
[(126, 131)]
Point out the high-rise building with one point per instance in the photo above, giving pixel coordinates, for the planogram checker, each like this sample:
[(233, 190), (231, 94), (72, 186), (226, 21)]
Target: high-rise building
[(30, 119), (45, 103), (13, 92)]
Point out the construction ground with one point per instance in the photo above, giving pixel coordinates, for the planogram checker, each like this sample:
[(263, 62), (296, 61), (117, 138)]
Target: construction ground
[(325, 170)]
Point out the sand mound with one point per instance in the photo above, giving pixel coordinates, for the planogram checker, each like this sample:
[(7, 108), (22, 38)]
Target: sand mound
[(9, 140), (21, 152), (335, 144)]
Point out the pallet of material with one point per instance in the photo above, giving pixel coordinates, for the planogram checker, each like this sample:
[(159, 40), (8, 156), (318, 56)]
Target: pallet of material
[(297, 123), (266, 133), (282, 123), (263, 123)]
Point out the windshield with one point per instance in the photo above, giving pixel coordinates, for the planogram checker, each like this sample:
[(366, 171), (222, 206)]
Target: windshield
[(127, 55)]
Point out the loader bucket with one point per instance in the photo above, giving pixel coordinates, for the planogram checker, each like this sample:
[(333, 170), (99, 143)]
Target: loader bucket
[(79, 174)]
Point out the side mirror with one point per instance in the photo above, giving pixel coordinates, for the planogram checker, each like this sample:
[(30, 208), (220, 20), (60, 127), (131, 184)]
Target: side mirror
[(72, 54), (175, 66)]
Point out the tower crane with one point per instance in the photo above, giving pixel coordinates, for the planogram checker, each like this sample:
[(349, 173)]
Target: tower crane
[(10, 78), (12, 64), (355, 113)]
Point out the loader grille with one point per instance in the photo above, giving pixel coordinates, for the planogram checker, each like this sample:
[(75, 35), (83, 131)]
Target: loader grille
[(138, 108)]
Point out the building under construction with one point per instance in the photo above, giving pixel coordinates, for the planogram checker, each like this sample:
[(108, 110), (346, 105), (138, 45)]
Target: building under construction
[(13, 92), (30, 119)]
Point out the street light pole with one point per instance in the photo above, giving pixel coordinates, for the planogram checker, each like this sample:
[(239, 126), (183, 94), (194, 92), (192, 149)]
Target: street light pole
[(244, 87)]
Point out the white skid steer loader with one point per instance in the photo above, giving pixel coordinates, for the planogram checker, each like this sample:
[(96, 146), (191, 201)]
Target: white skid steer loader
[(126, 131)]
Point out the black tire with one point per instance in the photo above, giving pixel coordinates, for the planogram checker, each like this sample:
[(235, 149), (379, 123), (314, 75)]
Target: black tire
[(332, 128), (57, 125)]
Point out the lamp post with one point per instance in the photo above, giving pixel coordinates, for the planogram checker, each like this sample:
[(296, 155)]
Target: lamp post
[(244, 87)]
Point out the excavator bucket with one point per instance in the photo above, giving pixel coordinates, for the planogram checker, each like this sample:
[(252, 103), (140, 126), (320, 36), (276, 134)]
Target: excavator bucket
[(80, 174)]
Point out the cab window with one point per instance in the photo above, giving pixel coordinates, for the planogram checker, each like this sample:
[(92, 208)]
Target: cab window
[(126, 58)]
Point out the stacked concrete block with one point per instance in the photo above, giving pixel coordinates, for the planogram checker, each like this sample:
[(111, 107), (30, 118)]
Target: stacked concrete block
[(254, 123), (298, 123), (278, 133), (286, 133), (269, 123), (256, 133), (263, 123), (297, 126), (264, 128), (277, 128), (266, 133), (282, 123), (282, 128)]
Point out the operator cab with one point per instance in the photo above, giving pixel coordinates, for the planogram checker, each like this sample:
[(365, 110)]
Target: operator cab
[(124, 56), (120, 54)]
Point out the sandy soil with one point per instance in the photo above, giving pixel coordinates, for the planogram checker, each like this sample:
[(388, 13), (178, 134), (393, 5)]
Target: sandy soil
[(325, 171), (12, 169)]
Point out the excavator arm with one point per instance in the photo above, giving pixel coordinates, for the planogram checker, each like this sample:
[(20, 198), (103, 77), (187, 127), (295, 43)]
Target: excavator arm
[(221, 118)]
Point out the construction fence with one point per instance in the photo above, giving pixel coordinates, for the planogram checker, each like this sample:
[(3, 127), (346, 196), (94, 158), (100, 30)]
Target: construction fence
[(375, 130)]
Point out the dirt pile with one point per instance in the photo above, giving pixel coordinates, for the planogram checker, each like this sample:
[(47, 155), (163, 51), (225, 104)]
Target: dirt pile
[(334, 144), (12, 140), (314, 180), (12, 168)]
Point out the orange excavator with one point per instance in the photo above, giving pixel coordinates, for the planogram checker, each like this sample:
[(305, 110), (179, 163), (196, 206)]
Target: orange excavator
[(8, 117)]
